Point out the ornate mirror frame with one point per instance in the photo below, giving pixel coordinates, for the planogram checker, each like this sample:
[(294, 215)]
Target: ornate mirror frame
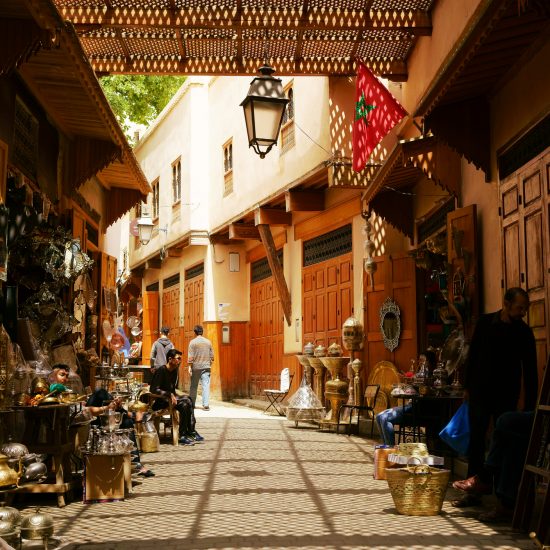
[(389, 307)]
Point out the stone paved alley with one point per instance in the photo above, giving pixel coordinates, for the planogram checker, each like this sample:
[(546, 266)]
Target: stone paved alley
[(260, 483)]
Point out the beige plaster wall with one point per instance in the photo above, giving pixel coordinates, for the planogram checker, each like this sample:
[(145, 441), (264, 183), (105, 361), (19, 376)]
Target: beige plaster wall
[(181, 131), (224, 286), (255, 178)]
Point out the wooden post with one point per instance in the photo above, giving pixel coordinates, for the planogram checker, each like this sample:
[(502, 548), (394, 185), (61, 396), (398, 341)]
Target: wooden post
[(277, 270)]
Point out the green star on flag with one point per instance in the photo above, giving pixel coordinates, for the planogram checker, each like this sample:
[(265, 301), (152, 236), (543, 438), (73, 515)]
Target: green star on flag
[(362, 110)]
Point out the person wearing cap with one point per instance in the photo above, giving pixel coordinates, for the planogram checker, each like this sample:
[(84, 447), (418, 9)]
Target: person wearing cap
[(200, 355), (160, 349)]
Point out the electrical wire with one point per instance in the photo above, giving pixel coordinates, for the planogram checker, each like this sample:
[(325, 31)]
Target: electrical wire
[(409, 194), (309, 137)]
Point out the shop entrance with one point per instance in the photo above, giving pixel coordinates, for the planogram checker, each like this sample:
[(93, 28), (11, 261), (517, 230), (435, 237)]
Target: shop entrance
[(525, 203), (266, 330)]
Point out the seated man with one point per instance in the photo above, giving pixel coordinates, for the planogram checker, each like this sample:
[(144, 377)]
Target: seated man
[(503, 466), (164, 383), (387, 419)]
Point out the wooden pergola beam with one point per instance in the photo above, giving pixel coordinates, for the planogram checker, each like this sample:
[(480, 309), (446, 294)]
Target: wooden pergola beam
[(392, 69), (221, 239), (244, 231), (153, 264), (272, 216), (304, 201), (276, 270), (85, 18)]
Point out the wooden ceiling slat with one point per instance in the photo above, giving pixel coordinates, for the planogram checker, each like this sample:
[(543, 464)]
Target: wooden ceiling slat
[(315, 37)]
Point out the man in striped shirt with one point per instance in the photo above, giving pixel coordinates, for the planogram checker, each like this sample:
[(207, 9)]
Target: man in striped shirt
[(199, 359)]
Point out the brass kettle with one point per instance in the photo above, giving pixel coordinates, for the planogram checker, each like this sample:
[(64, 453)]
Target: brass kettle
[(8, 476)]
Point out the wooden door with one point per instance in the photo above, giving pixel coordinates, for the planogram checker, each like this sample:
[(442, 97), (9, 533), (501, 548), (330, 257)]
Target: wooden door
[(395, 278), (171, 314), (150, 324), (266, 337), (525, 212), (193, 313), (327, 299)]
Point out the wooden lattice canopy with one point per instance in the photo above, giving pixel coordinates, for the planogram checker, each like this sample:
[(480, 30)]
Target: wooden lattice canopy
[(314, 37)]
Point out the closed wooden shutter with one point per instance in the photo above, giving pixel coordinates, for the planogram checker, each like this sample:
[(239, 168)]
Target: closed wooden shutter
[(525, 213), (150, 323)]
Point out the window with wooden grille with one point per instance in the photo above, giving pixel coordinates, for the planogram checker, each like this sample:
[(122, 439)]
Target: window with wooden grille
[(287, 127), (228, 168), (155, 201), (176, 181)]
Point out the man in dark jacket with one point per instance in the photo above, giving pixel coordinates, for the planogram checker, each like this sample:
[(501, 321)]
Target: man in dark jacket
[(502, 356), (160, 349), (164, 383)]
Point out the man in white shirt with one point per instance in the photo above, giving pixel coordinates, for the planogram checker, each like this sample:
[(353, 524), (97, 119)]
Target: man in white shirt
[(199, 359)]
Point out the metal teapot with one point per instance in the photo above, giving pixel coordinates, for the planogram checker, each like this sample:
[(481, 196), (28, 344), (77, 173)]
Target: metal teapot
[(8, 476)]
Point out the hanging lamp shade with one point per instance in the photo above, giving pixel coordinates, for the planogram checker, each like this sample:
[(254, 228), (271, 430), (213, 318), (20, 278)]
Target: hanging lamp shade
[(264, 107)]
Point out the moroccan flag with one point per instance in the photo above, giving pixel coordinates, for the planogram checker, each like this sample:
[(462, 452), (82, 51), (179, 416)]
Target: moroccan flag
[(376, 113)]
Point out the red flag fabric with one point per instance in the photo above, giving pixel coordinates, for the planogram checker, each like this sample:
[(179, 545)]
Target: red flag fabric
[(376, 113)]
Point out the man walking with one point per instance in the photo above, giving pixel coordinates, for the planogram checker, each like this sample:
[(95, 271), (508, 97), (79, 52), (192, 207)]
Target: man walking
[(160, 349), (502, 356), (164, 383), (199, 360)]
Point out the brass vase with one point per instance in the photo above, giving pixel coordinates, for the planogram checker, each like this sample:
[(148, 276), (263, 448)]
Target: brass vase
[(336, 389), (319, 376)]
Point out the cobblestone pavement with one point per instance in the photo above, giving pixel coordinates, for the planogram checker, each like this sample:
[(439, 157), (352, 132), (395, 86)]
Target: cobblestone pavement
[(260, 483)]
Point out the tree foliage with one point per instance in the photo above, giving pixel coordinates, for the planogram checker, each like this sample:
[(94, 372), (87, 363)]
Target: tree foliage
[(139, 99)]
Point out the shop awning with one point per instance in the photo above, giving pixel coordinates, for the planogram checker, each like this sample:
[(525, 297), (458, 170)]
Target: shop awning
[(47, 54), (388, 193), (455, 106)]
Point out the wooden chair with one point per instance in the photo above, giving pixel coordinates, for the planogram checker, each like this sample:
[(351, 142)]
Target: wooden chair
[(371, 394), (168, 416), (276, 397)]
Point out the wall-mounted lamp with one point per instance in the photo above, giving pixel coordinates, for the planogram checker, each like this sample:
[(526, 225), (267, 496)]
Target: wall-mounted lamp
[(145, 228), (264, 107)]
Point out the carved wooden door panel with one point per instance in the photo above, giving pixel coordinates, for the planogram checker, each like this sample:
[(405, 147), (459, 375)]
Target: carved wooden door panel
[(394, 278), (525, 212), (150, 324), (266, 337), (193, 313), (327, 299)]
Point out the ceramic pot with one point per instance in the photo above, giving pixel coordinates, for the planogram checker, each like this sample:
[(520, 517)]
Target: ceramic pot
[(334, 350), (320, 351), (309, 349)]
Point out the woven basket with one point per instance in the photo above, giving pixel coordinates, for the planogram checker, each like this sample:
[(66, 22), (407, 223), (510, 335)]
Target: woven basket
[(418, 490)]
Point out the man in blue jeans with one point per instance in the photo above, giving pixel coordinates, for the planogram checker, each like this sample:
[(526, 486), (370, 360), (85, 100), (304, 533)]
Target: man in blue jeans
[(199, 359), (387, 419)]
